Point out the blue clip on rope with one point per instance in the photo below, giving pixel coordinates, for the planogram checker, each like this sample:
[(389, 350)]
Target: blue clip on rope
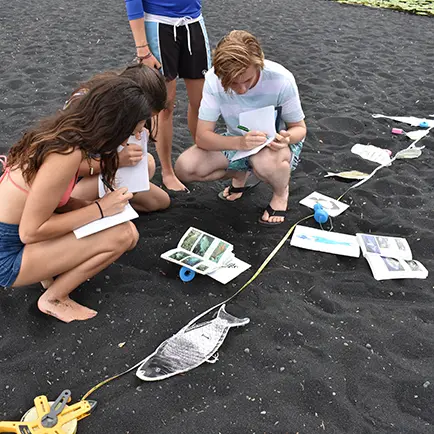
[(186, 274), (320, 215)]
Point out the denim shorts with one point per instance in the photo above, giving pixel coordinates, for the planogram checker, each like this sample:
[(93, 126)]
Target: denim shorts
[(243, 164), (11, 253)]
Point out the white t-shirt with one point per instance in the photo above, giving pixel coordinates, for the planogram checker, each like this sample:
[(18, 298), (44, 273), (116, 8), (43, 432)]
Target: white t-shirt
[(276, 86)]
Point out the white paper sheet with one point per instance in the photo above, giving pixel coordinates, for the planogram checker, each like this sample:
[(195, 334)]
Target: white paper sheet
[(411, 120), (324, 241), (372, 153), (135, 178), (107, 222), (263, 120), (332, 206), (231, 270)]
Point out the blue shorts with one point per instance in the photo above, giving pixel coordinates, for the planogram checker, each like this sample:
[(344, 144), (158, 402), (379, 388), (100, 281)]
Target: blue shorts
[(11, 253), (243, 164)]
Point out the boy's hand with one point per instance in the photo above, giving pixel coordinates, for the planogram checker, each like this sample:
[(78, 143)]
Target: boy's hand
[(252, 140), (282, 141)]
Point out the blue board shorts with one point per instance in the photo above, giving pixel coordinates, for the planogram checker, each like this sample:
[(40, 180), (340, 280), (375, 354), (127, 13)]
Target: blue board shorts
[(11, 253), (243, 164)]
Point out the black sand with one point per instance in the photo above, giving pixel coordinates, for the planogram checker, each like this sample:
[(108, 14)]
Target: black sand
[(328, 349)]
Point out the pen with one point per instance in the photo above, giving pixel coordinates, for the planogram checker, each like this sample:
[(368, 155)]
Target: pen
[(242, 128), (107, 184)]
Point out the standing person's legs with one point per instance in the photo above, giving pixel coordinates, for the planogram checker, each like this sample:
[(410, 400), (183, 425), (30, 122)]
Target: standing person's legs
[(194, 62), (164, 140), (194, 92), (167, 51)]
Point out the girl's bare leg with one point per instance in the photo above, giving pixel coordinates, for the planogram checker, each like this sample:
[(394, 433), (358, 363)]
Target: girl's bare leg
[(73, 261)]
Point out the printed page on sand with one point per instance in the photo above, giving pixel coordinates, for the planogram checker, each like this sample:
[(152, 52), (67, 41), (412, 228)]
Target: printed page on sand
[(332, 206), (206, 254), (324, 241), (389, 247), (390, 268), (263, 119), (135, 178)]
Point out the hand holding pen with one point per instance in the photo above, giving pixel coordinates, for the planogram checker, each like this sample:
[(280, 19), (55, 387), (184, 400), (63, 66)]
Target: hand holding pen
[(252, 139), (115, 201)]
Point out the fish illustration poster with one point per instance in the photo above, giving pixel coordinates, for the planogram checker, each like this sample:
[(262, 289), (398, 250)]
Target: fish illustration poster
[(327, 242), (332, 206)]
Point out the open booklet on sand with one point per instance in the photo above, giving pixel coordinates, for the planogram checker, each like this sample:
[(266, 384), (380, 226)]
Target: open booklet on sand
[(389, 247), (263, 119), (107, 222), (391, 268), (135, 178), (390, 257), (206, 254)]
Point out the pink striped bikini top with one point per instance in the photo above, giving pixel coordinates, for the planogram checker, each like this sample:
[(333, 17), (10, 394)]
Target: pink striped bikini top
[(7, 173)]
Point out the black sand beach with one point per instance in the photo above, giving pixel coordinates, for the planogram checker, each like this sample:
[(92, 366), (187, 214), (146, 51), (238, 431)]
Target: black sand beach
[(328, 349)]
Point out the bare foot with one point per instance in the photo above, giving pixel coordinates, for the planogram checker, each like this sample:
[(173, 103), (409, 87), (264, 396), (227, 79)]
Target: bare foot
[(65, 310), (278, 203), (173, 183), (47, 283), (239, 180)]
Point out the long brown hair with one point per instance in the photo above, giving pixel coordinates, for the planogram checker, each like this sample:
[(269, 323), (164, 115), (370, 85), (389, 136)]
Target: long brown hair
[(97, 124), (149, 79)]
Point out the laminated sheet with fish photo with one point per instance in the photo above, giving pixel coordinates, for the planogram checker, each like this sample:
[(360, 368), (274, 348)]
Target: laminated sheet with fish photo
[(192, 346)]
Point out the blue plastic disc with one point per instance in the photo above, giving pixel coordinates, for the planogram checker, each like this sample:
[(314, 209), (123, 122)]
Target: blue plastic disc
[(424, 124), (186, 274)]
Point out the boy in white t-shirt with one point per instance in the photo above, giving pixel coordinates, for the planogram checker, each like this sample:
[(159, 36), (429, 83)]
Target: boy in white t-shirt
[(242, 80)]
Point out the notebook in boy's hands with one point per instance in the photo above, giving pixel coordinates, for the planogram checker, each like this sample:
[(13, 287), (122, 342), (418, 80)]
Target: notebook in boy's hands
[(135, 178), (263, 119), (206, 254)]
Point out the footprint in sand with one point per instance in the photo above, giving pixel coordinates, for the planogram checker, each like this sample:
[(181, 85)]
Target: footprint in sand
[(331, 137), (342, 124)]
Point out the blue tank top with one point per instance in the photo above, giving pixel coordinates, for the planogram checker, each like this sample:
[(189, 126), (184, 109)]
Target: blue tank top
[(165, 8)]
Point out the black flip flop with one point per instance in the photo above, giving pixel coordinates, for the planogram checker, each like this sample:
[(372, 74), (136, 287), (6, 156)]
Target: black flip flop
[(272, 213), (233, 190)]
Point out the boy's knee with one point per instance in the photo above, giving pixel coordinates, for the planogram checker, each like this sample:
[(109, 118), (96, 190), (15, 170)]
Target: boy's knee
[(184, 167)]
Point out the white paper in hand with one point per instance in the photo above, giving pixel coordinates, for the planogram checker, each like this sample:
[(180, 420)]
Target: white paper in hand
[(107, 222), (135, 178), (263, 120)]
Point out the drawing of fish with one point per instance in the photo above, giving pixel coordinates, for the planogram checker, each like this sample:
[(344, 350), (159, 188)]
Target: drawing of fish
[(193, 345), (352, 174), (323, 240)]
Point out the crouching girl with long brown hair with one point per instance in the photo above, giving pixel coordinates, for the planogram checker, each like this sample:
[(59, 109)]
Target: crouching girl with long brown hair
[(38, 214)]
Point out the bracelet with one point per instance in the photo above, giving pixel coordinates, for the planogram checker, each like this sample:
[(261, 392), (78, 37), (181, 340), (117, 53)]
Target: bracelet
[(100, 209), (140, 59), (142, 46)]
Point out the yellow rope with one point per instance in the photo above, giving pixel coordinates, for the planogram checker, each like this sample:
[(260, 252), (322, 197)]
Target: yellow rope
[(257, 273)]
